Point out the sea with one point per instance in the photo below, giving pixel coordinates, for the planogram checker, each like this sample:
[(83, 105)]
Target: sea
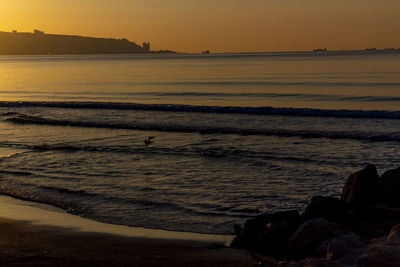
[(235, 135)]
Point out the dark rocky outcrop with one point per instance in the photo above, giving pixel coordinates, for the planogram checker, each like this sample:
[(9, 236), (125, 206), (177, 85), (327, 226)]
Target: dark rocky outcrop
[(310, 236), (330, 208), (352, 252), (267, 233), (347, 245), (381, 252), (314, 262), (394, 235), (390, 181), (362, 187), (357, 229)]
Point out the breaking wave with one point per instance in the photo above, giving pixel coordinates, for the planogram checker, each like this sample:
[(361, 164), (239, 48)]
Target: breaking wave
[(203, 129), (308, 112)]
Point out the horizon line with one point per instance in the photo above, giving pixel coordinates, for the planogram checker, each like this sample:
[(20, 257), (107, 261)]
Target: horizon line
[(316, 50)]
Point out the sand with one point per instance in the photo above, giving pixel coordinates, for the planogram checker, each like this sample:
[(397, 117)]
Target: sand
[(39, 235)]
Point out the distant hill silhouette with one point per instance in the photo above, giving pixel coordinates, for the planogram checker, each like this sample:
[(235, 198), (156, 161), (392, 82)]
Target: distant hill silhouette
[(39, 43)]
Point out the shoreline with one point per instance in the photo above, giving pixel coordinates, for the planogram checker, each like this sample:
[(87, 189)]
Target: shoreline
[(47, 215), (40, 234)]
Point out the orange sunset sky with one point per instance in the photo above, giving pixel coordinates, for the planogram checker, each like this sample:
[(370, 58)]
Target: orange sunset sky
[(217, 25)]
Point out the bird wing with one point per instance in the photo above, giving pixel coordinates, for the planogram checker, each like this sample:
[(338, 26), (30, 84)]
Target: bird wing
[(151, 137)]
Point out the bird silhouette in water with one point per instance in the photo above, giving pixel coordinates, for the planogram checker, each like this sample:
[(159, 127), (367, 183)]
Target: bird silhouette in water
[(149, 140)]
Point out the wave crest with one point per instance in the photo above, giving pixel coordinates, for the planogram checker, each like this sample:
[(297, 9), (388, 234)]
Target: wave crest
[(306, 112), (370, 136)]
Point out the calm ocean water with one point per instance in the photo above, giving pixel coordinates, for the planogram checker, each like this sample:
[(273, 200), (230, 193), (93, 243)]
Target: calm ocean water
[(236, 135)]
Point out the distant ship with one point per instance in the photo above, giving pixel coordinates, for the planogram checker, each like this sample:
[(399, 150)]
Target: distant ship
[(206, 52), (320, 50)]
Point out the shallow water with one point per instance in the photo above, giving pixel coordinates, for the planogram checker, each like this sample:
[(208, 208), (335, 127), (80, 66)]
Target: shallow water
[(236, 135)]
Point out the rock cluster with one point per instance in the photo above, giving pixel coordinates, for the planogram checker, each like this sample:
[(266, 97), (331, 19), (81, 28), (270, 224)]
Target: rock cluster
[(361, 228)]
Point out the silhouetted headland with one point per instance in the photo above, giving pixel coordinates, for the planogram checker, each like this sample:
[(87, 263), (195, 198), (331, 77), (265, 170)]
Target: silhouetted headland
[(40, 43)]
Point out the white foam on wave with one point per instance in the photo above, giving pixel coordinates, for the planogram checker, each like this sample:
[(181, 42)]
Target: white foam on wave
[(6, 152)]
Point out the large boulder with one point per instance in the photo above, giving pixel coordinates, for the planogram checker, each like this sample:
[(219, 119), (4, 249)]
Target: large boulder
[(391, 186), (374, 221), (368, 228), (330, 208), (346, 245), (261, 223), (310, 236), (394, 235), (383, 251), (362, 187), (380, 254), (369, 221), (314, 262), (273, 241), (267, 233)]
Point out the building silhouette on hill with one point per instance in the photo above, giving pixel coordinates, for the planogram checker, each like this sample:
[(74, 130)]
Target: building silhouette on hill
[(40, 43), (146, 47)]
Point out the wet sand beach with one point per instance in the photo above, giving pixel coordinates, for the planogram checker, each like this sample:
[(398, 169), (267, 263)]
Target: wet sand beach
[(55, 238)]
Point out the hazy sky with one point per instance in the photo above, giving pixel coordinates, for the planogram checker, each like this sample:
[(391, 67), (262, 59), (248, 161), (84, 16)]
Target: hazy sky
[(217, 25)]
